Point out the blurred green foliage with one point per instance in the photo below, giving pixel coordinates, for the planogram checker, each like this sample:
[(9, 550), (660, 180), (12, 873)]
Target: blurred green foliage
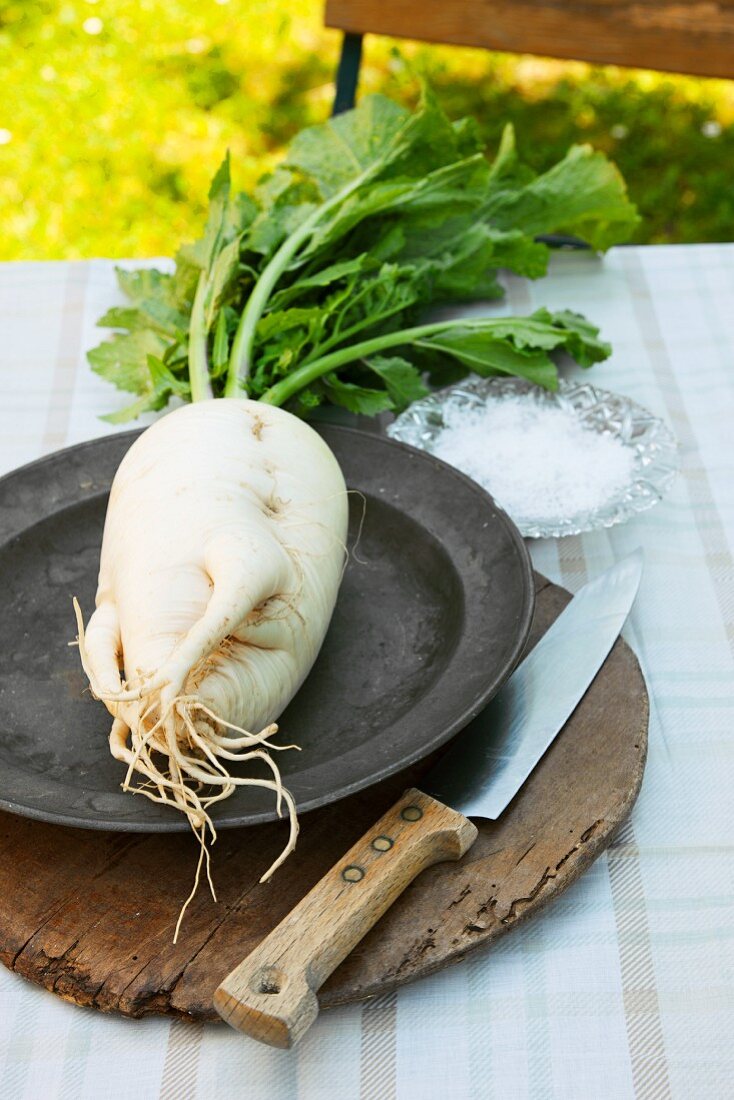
[(115, 113)]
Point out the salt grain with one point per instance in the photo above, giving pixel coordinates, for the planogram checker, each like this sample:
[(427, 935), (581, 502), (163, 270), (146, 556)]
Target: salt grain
[(537, 460)]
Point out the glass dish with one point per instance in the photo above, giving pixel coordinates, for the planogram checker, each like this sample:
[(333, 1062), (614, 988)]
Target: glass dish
[(655, 449)]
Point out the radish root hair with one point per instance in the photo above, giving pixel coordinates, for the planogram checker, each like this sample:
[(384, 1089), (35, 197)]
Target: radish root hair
[(191, 737)]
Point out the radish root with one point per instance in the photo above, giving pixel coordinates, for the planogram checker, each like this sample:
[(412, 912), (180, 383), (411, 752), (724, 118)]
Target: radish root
[(168, 730), (222, 554)]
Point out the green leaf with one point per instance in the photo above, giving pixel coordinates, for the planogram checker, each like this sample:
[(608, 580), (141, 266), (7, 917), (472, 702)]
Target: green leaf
[(221, 278), (487, 355), (151, 313), (190, 262), (380, 139), (357, 399), (220, 351), (141, 284), (402, 379), (243, 211), (124, 317), (436, 196), (123, 360), (320, 279), (163, 380), (283, 201), (584, 195), (218, 211), (507, 170), (581, 341), (552, 330), (465, 270), (306, 400), (151, 402), (276, 186), (285, 320), (513, 250), (160, 384), (335, 152), (520, 345), (227, 219)]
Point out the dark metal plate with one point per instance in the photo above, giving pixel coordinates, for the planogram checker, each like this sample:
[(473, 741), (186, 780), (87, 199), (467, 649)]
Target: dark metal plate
[(432, 616)]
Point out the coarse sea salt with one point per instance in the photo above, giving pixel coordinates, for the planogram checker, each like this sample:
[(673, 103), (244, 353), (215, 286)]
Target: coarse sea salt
[(537, 460)]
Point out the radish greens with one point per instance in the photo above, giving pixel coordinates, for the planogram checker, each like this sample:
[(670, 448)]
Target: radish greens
[(314, 289)]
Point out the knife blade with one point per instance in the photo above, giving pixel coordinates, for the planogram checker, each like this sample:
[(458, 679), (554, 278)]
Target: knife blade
[(491, 759), (271, 995)]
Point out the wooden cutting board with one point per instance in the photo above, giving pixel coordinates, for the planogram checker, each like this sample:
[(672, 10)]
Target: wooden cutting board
[(90, 915)]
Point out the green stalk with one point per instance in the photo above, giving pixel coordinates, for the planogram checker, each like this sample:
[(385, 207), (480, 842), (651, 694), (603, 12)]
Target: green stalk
[(201, 387), (285, 389), (347, 333), (240, 360)]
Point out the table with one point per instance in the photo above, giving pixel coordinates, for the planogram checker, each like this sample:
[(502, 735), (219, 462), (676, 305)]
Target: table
[(623, 988)]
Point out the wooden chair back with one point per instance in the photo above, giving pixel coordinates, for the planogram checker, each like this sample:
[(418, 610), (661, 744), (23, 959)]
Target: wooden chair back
[(684, 36)]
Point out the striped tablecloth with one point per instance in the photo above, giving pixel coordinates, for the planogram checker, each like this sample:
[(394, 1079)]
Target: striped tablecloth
[(625, 987)]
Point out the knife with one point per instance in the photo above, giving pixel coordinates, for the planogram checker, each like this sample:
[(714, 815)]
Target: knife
[(271, 995)]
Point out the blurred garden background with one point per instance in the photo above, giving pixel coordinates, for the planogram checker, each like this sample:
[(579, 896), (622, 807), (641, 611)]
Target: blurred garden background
[(114, 114)]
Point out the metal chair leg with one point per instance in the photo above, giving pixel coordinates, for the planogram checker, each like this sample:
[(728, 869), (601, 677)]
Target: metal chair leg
[(347, 75), (559, 240)]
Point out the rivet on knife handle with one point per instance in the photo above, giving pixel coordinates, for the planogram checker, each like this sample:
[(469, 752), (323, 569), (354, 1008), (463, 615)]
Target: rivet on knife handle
[(271, 995)]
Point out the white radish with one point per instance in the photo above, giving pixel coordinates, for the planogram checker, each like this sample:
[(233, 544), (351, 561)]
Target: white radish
[(223, 549)]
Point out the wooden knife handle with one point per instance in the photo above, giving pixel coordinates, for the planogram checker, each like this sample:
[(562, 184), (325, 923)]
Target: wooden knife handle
[(271, 995)]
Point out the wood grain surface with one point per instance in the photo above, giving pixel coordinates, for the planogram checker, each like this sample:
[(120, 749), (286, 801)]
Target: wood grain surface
[(688, 37), (90, 915)]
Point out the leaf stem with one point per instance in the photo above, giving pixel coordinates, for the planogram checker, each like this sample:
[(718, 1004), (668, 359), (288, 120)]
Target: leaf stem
[(285, 389), (345, 334), (240, 360), (201, 387)]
